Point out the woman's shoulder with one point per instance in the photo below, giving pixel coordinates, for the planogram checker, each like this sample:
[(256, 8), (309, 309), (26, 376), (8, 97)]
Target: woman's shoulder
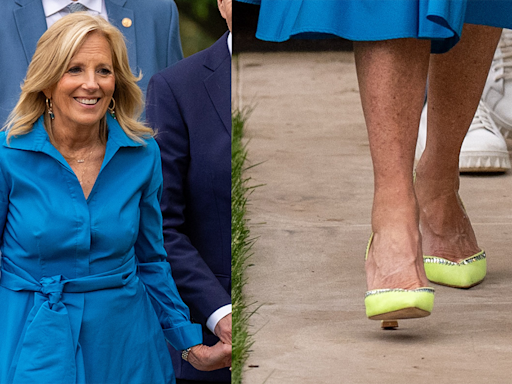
[(4, 162), (3, 140), (146, 150), (151, 146)]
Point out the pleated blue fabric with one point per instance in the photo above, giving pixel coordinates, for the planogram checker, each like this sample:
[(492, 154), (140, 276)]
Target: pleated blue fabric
[(371, 20), (86, 294)]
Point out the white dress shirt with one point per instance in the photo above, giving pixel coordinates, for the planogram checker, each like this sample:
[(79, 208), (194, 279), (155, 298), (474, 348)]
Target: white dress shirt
[(56, 9), (230, 44)]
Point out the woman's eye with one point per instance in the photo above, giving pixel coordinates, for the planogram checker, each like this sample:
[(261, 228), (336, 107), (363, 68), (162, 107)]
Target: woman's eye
[(105, 71), (74, 70)]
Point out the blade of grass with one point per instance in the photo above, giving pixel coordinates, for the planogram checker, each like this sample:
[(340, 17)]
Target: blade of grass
[(241, 247)]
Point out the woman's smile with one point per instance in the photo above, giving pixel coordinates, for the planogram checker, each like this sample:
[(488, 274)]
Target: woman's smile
[(86, 101)]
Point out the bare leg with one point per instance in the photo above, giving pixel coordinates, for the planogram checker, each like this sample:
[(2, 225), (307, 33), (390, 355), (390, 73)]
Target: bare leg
[(456, 81), (392, 76)]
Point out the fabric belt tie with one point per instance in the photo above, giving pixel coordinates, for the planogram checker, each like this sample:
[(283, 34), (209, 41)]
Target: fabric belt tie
[(48, 350)]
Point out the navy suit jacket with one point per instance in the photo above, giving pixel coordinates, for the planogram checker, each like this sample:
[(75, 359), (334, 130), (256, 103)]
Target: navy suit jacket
[(189, 104), (153, 40)]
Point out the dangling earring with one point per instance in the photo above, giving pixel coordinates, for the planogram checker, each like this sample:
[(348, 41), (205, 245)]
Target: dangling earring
[(111, 109), (50, 110)]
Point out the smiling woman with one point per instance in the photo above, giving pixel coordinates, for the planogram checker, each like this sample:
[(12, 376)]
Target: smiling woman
[(78, 102), (84, 283)]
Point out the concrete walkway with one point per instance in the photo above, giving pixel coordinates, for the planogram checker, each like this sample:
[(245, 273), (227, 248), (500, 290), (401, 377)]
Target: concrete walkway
[(312, 219)]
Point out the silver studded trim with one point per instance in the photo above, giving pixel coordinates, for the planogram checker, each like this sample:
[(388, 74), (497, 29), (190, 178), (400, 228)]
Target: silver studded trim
[(440, 260), (379, 291)]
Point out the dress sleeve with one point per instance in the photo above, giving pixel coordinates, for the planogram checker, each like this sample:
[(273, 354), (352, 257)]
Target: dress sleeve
[(155, 271), (4, 197), (196, 282)]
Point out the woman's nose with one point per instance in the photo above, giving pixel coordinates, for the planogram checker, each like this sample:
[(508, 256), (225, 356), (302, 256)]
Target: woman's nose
[(90, 81)]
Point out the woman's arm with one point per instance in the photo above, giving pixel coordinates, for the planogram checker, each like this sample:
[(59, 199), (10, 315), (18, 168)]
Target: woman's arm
[(4, 190), (155, 273)]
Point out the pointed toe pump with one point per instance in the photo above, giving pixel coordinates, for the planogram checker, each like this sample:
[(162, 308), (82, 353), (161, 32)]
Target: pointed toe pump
[(397, 303), (464, 274)]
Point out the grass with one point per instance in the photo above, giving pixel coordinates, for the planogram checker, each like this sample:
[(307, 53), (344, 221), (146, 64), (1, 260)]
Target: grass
[(241, 246)]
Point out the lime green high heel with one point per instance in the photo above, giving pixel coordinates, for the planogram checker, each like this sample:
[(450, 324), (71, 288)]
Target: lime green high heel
[(464, 274), (397, 303)]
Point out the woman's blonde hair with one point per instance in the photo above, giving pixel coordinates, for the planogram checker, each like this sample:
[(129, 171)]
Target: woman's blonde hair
[(54, 51)]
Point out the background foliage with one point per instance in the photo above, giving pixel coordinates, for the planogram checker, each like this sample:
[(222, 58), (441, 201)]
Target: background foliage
[(200, 24)]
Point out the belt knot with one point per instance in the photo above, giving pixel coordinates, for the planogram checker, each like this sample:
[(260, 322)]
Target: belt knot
[(52, 288)]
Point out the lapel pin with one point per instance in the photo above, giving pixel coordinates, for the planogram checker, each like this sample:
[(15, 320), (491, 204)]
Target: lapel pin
[(127, 23)]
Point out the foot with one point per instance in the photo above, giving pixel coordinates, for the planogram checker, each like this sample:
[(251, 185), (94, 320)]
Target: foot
[(445, 227), (394, 258)]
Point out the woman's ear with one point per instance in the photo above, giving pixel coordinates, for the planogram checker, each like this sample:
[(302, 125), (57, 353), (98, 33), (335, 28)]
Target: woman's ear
[(48, 93)]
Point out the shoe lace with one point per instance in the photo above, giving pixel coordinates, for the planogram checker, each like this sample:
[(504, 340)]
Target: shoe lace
[(503, 55), (482, 120)]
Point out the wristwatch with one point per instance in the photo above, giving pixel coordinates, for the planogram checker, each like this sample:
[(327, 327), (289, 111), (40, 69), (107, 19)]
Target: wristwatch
[(184, 354)]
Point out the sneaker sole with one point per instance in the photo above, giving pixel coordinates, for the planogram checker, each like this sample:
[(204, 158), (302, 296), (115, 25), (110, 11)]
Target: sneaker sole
[(484, 162)]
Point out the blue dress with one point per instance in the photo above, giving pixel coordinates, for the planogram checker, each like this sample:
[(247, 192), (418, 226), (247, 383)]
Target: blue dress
[(370, 20), (84, 288)]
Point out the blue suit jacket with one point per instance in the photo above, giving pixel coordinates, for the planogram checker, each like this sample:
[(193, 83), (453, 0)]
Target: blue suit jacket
[(153, 40), (189, 104)]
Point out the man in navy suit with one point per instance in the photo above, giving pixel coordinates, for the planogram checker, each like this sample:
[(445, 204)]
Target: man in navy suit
[(189, 104), (151, 29)]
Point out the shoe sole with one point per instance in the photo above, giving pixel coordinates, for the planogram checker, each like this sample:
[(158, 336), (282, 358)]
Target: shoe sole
[(406, 313), (457, 286), (484, 162)]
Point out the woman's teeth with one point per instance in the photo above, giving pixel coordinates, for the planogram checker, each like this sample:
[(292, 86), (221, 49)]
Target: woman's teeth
[(87, 101)]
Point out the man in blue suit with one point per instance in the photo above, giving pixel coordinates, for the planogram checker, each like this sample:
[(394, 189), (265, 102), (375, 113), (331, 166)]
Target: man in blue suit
[(151, 29), (189, 104)]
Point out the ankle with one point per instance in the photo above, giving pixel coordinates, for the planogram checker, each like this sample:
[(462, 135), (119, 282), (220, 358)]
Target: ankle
[(435, 175), (395, 212)]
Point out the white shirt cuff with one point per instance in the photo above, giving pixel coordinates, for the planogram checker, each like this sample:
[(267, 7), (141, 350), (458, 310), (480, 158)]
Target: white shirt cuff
[(216, 316)]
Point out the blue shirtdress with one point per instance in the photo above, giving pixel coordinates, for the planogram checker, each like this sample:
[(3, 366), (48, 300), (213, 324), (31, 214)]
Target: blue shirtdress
[(370, 20), (84, 288)]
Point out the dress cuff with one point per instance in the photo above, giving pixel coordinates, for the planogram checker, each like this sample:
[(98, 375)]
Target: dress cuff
[(184, 337)]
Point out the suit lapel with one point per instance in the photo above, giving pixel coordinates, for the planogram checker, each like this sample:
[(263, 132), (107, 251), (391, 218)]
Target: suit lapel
[(30, 25), (116, 13), (218, 84)]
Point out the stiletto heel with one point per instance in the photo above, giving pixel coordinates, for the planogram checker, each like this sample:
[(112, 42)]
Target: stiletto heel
[(397, 303), (389, 324)]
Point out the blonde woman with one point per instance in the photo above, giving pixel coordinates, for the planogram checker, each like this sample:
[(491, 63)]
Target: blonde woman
[(85, 288)]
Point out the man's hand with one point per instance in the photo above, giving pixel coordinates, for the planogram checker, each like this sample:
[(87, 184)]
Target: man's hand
[(206, 358), (223, 329)]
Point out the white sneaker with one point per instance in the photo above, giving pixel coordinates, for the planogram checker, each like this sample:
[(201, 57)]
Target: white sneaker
[(483, 150), (497, 94)]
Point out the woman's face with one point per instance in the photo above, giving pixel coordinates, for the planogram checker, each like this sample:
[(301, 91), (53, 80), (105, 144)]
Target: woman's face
[(81, 97)]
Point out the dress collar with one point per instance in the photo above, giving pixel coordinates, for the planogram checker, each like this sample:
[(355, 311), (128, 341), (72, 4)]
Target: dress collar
[(37, 139)]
